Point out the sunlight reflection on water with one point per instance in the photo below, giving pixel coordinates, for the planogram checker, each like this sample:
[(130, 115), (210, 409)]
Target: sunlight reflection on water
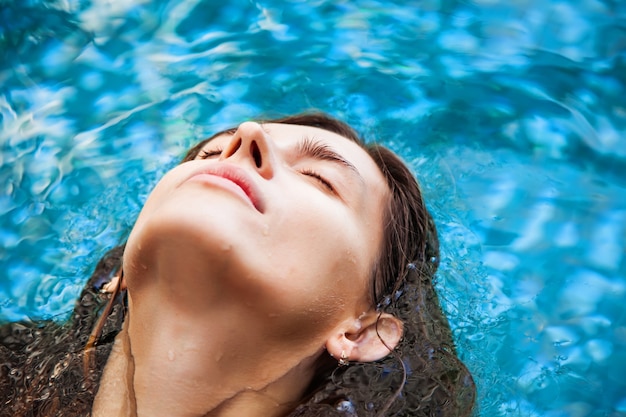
[(512, 113)]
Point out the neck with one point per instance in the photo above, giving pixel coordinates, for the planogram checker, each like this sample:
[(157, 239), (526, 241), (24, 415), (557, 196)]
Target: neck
[(166, 362)]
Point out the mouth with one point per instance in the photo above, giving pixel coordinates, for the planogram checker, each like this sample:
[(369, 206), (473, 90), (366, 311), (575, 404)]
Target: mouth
[(231, 178)]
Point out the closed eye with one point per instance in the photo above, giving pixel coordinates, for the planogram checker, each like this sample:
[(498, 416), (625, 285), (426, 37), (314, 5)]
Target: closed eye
[(206, 154), (319, 178)]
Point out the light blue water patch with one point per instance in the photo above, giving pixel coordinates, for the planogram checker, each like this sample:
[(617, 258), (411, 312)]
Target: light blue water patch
[(511, 113)]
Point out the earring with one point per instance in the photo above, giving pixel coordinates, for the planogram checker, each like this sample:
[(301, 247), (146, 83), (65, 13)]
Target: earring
[(343, 361)]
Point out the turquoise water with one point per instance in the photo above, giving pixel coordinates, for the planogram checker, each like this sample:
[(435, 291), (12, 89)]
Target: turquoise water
[(511, 112)]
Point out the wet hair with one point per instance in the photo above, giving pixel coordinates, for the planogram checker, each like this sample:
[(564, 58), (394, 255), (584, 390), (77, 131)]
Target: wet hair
[(422, 376), (41, 363)]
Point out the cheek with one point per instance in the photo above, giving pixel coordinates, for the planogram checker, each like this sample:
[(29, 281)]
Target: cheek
[(317, 260), (326, 239)]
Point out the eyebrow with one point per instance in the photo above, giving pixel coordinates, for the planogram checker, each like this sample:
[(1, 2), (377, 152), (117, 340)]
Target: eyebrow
[(311, 148)]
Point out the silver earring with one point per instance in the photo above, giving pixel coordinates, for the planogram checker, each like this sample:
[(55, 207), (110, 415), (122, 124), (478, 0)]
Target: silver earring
[(343, 361)]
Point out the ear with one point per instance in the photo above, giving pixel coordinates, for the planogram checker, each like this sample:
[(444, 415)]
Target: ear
[(370, 337)]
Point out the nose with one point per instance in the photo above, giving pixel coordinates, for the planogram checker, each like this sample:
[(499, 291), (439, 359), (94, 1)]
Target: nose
[(251, 143)]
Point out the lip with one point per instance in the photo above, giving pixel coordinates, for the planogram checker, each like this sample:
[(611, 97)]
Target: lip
[(232, 178)]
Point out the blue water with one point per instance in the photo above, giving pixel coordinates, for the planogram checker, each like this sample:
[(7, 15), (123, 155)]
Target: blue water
[(511, 112)]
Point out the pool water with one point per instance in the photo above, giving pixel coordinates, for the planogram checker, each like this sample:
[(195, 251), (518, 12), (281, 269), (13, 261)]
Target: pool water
[(512, 113)]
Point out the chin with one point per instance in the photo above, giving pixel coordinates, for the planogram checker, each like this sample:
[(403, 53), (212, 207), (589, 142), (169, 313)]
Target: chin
[(189, 233)]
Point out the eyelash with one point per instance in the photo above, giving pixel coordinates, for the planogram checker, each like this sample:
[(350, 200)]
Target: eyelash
[(318, 177), (208, 154)]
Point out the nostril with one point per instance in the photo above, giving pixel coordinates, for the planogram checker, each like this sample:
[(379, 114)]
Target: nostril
[(256, 154)]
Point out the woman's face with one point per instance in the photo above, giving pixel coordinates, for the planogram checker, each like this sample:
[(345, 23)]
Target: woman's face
[(282, 220)]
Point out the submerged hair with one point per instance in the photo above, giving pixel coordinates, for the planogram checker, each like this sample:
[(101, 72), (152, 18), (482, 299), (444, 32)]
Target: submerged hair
[(42, 364)]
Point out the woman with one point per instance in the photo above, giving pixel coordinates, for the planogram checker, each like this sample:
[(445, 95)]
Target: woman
[(285, 268)]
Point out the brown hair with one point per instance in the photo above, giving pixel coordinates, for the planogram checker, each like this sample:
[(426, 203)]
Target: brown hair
[(41, 363)]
